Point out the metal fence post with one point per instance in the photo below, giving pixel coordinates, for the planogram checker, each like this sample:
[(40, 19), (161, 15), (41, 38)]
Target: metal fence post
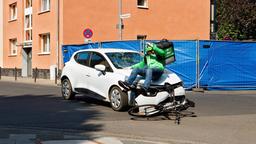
[(15, 73), (56, 75), (198, 89), (35, 73)]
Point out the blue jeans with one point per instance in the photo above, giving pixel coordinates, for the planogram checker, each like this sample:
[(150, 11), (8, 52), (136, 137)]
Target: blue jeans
[(148, 73)]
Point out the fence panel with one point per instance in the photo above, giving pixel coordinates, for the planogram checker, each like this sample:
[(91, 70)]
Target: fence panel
[(222, 64), (230, 65)]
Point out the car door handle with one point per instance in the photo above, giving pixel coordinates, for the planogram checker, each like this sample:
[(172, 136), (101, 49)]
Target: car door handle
[(87, 75)]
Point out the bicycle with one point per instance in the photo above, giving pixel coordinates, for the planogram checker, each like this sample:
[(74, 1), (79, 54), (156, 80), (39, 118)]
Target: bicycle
[(171, 106)]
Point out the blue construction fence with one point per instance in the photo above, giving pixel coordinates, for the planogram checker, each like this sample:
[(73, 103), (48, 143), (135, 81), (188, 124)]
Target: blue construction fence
[(212, 65)]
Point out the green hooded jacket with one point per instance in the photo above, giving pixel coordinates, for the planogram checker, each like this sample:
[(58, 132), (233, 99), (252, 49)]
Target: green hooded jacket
[(151, 60)]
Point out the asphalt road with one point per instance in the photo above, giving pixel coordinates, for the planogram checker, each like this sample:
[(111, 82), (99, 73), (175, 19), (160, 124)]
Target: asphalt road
[(222, 118)]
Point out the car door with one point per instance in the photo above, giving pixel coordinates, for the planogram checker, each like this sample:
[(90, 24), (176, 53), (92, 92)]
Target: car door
[(99, 82), (80, 70)]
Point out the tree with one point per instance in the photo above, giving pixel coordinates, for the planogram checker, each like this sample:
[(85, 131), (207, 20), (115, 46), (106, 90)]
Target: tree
[(236, 19)]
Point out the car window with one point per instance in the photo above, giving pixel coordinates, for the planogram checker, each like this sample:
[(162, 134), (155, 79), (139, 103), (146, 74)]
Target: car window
[(124, 59), (82, 58), (99, 59)]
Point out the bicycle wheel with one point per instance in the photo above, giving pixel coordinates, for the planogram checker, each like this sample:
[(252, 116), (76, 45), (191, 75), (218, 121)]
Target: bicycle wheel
[(145, 111)]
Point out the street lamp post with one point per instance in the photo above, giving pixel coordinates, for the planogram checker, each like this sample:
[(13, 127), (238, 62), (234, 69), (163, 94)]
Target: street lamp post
[(120, 25)]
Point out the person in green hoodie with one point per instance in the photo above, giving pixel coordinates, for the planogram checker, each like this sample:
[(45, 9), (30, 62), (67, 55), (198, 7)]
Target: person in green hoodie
[(151, 68)]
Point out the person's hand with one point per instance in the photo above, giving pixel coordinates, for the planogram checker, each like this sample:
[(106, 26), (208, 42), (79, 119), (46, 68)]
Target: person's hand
[(149, 48)]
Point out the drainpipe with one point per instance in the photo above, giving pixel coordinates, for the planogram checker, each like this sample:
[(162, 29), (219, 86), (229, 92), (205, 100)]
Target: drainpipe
[(58, 35)]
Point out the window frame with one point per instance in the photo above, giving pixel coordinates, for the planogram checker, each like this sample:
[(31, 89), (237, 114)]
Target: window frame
[(106, 63), (13, 48), (45, 8), (83, 63), (13, 11), (28, 28), (45, 48), (145, 4), (28, 3)]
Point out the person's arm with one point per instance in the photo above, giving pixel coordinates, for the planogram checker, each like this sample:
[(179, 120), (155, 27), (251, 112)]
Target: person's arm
[(138, 65), (158, 51)]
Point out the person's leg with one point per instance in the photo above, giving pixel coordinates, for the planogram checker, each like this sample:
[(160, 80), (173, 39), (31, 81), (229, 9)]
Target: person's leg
[(131, 101), (134, 74), (156, 73), (148, 78), (128, 84), (152, 74)]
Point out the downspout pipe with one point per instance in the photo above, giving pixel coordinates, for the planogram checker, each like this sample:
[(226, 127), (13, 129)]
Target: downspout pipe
[(57, 36)]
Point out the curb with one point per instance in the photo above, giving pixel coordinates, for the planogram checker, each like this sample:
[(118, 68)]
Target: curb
[(102, 140), (30, 81)]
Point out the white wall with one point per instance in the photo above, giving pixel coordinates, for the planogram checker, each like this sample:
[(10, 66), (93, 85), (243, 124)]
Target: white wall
[(1, 33)]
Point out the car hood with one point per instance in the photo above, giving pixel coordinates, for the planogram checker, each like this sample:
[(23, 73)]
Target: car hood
[(125, 72)]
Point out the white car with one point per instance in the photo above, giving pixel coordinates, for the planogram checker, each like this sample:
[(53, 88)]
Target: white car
[(99, 70)]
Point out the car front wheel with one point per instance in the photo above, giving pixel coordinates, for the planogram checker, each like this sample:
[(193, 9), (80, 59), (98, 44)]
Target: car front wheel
[(118, 99), (66, 90)]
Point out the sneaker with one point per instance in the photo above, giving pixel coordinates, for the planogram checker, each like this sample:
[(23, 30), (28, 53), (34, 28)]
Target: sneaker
[(124, 85)]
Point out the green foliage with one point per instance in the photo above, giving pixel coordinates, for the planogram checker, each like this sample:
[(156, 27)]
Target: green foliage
[(236, 19)]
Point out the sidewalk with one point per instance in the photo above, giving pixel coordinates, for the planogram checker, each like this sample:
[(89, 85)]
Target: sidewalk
[(30, 80)]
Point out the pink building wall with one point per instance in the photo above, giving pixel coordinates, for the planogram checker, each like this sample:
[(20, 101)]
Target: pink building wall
[(1, 33), (171, 19), (175, 20), (12, 29)]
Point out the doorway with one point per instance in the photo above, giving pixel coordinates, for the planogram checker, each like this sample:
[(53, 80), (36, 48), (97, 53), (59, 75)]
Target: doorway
[(26, 62)]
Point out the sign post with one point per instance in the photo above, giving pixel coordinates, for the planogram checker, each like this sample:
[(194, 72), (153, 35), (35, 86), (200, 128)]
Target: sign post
[(88, 33)]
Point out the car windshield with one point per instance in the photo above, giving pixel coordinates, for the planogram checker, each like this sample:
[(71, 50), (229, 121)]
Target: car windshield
[(124, 59)]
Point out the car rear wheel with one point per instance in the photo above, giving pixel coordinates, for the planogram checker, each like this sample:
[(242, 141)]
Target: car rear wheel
[(118, 99), (66, 90)]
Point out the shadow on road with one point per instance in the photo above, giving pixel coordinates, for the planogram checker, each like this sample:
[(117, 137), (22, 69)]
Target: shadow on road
[(48, 112)]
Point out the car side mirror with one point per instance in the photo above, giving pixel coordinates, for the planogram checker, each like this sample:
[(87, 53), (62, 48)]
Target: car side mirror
[(100, 68)]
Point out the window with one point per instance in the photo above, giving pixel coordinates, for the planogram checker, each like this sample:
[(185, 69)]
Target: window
[(13, 11), (99, 59), (124, 59), (28, 28), (45, 5), (13, 46), (82, 58), (28, 35), (28, 3), (142, 3), (45, 43)]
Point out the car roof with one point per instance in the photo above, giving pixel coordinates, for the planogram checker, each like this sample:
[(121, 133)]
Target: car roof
[(104, 50)]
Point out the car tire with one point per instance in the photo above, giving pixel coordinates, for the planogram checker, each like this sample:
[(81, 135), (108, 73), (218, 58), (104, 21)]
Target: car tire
[(118, 99), (66, 90)]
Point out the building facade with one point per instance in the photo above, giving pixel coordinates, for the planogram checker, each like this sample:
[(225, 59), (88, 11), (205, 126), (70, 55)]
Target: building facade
[(35, 30), (1, 34)]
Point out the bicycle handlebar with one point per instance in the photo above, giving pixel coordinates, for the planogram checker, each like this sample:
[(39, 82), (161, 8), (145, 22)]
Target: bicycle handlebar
[(154, 89)]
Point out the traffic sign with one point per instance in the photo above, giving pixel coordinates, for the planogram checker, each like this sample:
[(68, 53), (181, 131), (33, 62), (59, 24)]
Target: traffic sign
[(87, 33)]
